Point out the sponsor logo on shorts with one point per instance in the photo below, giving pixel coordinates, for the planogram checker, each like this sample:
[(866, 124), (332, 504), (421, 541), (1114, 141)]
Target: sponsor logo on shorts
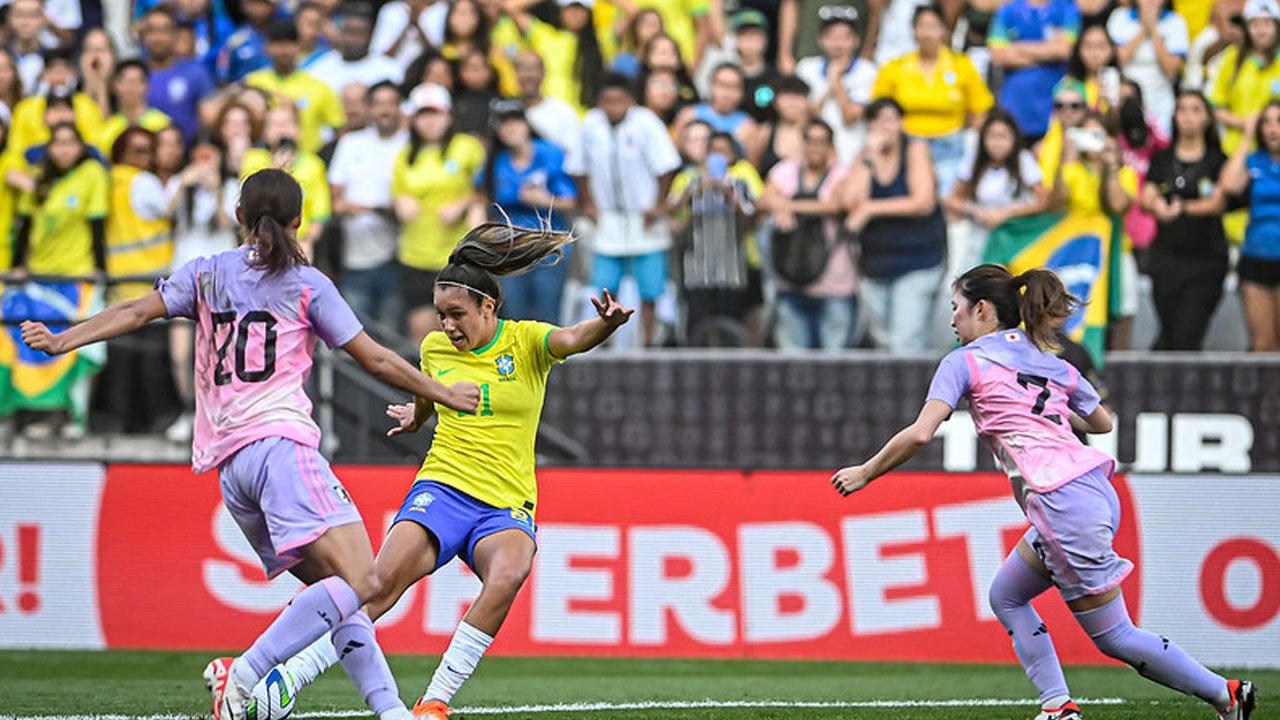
[(521, 516), (421, 501)]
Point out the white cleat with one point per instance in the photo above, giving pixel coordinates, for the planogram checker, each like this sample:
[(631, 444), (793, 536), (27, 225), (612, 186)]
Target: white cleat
[(1243, 697)]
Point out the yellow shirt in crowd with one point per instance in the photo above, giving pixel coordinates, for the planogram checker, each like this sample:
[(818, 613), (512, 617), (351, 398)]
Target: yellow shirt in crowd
[(1243, 92), (489, 454), (8, 203), (114, 127), (435, 179), (309, 170), (318, 105), (678, 20), (61, 242), (935, 103), (136, 245), (28, 128)]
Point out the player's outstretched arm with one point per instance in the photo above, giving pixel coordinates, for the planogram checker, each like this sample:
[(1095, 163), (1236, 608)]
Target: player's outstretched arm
[(393, 370), (110, 323), (900, 448), (590, 333)]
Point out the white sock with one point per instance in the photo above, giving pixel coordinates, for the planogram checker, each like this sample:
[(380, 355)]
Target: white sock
[(314, 659), (459, 661), (1054, 703), (400, 713), (242, 675)]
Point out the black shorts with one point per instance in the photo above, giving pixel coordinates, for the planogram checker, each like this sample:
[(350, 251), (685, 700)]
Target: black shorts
[(1259, 271), (416, 287)]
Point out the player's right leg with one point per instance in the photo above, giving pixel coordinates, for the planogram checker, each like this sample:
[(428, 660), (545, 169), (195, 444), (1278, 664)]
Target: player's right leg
[(298, 517), (1020, 580)]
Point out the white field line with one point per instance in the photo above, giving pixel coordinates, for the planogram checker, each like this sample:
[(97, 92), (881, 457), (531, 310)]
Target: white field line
[(607, 706)]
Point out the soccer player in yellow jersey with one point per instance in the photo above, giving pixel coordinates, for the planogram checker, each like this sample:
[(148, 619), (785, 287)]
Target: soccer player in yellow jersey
[(476, 492)]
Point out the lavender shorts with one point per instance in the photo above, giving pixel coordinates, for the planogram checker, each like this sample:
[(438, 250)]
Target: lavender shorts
[(1072, 529), (283, 495)]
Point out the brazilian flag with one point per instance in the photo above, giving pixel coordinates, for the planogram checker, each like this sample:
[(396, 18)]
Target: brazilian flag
[(30, 379), (1080, 247)]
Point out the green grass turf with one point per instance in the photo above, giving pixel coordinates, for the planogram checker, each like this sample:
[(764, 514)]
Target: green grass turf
[(143, 683)]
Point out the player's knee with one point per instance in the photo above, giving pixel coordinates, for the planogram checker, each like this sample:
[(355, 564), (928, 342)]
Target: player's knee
[(507, 579), (1000, 601), (1112, 642), (368, 586)]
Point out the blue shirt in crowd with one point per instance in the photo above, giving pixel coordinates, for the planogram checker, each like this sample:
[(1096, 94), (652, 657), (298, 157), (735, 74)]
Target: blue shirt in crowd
[(1262, 238), (545, 170), (1028, 92), (177, 91), (244, 52)]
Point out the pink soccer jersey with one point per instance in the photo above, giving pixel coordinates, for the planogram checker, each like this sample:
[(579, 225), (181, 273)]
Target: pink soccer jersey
[(255, 335), (1020, 398)]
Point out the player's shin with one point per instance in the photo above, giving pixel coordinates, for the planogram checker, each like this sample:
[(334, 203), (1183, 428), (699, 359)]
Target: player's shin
[(460, 660), (357, 649), (1155, 657), (1012, 591), (311, 614)]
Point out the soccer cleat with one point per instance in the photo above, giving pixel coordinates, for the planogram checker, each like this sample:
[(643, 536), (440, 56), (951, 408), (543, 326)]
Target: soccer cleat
[(216, 674), (1068, 711), (431, 709), (230, 701), (1243, 697)]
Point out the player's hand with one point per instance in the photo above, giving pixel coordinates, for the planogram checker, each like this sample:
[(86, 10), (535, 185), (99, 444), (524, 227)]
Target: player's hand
[(38, 337), (611, 311), (463, 397), (850, 480), (406, 417)]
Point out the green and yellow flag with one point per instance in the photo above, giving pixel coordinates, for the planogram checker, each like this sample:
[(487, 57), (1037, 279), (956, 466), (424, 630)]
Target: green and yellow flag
[(32, 380), (1080, 248)]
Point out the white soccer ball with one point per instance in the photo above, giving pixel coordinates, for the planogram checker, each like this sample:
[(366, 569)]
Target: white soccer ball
[(273, 697)]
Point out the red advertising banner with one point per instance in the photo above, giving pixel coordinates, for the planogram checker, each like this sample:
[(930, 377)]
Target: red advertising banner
[(630, 562)]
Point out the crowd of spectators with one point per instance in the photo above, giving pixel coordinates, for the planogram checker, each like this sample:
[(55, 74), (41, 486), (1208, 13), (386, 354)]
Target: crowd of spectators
[(779, 173)]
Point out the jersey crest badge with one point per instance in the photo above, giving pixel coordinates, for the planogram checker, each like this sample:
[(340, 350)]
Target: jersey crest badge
[(421, 501), (506, 365)]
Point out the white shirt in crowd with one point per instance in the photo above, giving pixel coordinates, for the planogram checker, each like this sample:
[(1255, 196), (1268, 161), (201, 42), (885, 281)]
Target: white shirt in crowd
[(29, 68), (996, 188), (363, 165), (858, 81), (196, 232), (556, 122), (367, 71), (392, 20), (622, 164), (1144, 67), (896, 37)]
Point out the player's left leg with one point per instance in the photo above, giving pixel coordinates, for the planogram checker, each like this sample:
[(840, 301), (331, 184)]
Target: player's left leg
[(502, 561)]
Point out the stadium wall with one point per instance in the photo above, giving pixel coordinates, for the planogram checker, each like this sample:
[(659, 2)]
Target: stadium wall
[(687, 563)]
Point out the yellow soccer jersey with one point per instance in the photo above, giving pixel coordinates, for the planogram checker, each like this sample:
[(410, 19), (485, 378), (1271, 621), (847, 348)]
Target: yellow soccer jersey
[(489, 455), (61, 239), (318, 105)]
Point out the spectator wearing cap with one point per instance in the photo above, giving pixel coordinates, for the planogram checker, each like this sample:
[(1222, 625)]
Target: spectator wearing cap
[(405, 29), (525, 184), (360, 179), (553, 119), (29, 38), (178, 85), (434, 194), (129, 89), (570, 49), (940, 92), (722, 110), (246, 50), (812, 15), (1031, 41), (624, 168), (1250, 73), (749, 51), (840, 84), (59, 76), (351, 62), (778, 19), (319, 110)]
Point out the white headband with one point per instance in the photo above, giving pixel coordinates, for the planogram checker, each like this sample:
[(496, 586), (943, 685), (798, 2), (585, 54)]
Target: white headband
[(465, 286)]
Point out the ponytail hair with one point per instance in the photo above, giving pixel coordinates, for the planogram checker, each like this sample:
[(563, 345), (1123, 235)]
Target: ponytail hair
[(270, 202), (1036, 298), (495, 249)]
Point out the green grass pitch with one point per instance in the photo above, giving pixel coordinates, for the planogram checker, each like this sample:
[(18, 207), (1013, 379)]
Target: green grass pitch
[(137, 684)]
